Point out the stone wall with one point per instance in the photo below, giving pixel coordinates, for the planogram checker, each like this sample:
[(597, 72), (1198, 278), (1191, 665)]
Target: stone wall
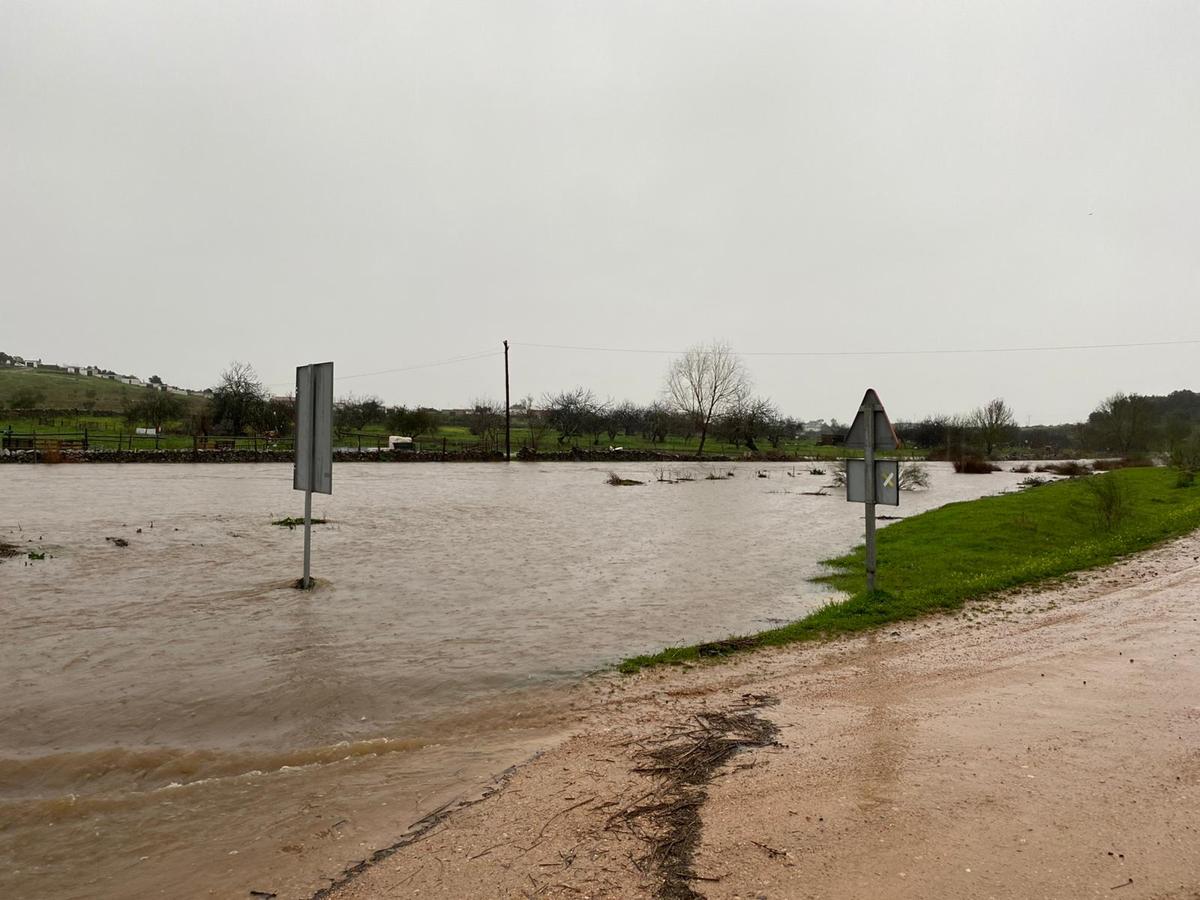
[(342, 456)]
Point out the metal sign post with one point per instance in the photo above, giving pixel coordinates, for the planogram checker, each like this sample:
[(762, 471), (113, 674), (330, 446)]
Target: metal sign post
[(314, 444), (868, 482)]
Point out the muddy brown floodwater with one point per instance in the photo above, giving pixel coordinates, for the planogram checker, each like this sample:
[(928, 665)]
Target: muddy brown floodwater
[(176, 720)]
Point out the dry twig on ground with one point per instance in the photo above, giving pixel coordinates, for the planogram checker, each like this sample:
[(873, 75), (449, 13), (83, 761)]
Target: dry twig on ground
[(683, 764)]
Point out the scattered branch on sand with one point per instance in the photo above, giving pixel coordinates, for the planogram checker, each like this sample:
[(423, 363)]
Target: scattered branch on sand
[(770, 851), (562, 812), (667, 819)]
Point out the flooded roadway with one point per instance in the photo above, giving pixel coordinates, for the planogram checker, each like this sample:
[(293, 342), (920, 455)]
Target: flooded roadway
[(176, 720)]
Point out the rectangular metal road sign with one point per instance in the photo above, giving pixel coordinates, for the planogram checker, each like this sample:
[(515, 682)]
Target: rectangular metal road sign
[(887, 481), (314, 428)]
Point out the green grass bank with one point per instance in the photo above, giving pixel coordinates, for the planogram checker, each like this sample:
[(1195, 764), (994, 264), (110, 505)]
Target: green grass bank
[(936, 561)]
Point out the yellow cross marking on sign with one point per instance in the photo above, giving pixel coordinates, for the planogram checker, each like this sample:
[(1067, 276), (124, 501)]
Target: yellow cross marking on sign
[(889, 480)]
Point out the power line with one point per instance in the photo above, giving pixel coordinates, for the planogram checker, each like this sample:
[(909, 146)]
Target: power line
[(428, 365), (845, 353), (778, 353)]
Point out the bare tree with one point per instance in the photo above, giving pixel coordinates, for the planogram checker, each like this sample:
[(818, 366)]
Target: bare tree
[(705, 382), (572, 413), (238, 399), (486, 421), (747, 419), (780, 428), (600, 420), (628, 418), (353, 413), (994, 422), (536, 420)]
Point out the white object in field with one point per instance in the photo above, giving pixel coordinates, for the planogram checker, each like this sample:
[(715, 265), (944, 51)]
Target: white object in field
[(398, 442)]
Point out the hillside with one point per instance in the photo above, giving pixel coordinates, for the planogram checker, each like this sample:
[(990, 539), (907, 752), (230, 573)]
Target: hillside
[(60, 391)]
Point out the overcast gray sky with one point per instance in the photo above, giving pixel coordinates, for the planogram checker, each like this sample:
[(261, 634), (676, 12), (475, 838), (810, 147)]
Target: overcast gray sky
[(391, 184)]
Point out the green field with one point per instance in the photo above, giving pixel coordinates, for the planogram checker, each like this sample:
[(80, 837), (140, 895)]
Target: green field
[(79, 402), (548, 443), (61, 391), (936, 561), (109, 429)]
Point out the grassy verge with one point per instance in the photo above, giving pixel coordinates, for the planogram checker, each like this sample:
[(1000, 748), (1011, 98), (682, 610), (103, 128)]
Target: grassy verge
[(938, 560)]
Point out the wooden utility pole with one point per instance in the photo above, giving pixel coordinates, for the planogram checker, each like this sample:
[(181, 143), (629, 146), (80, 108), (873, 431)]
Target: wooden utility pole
[(507, 409)]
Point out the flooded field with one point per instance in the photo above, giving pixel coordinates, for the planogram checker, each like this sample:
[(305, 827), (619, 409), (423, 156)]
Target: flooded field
[(176, 720)]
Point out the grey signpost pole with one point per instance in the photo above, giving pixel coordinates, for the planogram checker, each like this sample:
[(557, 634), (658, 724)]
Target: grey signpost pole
[(306, 581), (869, 461)]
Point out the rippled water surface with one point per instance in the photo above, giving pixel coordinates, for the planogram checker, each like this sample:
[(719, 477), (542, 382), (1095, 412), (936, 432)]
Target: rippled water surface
[(176, 720)]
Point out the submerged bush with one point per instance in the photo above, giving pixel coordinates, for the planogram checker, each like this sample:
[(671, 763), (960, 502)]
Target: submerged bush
[(1070, 468), (974, 465), (913, 475), (1127, 462), (617, 481)]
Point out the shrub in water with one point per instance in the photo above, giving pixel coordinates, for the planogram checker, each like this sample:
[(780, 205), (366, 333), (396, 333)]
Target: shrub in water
[(1128, 462), (1070, 468), (974, 465), (913, 475)]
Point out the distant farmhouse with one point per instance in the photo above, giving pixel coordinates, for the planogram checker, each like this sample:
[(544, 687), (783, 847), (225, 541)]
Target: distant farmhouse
[(20, 362)]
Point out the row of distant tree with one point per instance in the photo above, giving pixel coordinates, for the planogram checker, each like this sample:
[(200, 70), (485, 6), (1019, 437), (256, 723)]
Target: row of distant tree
[(577, 416), (707, 394), (1125, 424)]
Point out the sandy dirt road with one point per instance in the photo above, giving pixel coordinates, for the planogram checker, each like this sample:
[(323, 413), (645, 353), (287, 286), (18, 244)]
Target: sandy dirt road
[(1046, 745)]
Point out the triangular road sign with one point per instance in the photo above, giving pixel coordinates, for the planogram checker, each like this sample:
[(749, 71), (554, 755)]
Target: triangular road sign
[(885, 434)]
